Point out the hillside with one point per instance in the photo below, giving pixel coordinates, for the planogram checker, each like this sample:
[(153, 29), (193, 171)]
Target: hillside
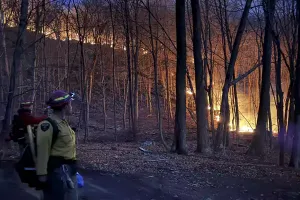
[(56, 62)]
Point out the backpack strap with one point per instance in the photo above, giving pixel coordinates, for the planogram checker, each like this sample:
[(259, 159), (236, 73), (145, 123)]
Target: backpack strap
[(55, 130), (17, 130)]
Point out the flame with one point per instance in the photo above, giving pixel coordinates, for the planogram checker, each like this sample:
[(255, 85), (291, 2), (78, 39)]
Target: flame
[(218, 118), (230, 127), (188, 91), (244, 129)]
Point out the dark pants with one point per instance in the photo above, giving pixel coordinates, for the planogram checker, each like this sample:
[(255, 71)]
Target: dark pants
[(22, 146), (58, 188)]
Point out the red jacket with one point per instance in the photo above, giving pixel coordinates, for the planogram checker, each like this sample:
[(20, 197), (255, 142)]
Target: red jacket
[(28, 119)]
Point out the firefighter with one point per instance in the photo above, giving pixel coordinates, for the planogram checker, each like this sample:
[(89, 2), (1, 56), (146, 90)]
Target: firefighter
[(25, 112), (56, 162), (20, 123)]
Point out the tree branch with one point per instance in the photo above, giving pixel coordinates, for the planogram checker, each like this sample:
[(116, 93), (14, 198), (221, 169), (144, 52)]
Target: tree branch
[(241, 77), (20, 94)]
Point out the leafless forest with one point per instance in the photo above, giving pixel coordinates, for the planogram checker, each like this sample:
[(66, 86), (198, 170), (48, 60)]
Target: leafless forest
[(210, 76)]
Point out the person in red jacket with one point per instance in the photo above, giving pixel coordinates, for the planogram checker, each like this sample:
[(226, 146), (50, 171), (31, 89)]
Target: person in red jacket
[(25, 113), (22, 120)]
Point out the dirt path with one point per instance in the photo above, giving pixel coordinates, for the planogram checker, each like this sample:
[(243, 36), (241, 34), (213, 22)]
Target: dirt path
[(110, 186)]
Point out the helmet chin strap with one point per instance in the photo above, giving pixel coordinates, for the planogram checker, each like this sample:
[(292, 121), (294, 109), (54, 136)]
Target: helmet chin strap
[(61, 114)]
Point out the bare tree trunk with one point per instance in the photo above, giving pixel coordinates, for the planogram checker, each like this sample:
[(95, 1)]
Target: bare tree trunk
[(154, 52), (114, 67), (3, 46), (179, 144), (291, 113), (279, 99), (257, 145), (67, 77), (84, 90), (229, 74), (136, 66), (83, 75), (236, 103), (91, 84), (127, 27), (168, 104), (4, 69), (270, 132), (291, 38), (211, 75), (150, 95), (286, 115), (3, 42), (286, 106), (58, 72), (103, 87), (201, 95), (15, 66), (104, 103), (229, 41), (126, 89), (295, 160), (35, 54)]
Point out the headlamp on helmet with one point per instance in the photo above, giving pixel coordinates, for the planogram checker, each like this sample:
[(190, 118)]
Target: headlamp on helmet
[(60, 98)]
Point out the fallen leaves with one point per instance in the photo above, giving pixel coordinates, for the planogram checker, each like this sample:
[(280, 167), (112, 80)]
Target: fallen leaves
[(149, 157)]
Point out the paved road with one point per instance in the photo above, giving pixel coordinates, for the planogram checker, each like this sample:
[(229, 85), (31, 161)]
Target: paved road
[(98, 186), (106, 186)]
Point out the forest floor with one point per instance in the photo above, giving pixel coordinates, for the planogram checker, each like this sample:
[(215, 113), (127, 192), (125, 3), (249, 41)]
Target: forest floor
[(185, 185), (123, 171), (144, 170)]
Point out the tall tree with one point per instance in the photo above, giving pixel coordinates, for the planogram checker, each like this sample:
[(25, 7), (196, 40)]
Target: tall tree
[(229, 74), (257, 145), (136, 66), (35, 46), (279, 102), (201, 95), (3, 42), (113, 64), (295, 160), (15, 66), (2, 46), (127, 39), (179, 144), (235, 93), (154, 53)]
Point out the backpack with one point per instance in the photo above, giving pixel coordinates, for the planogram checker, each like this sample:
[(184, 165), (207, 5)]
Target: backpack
[(25, 167), (18, 131)]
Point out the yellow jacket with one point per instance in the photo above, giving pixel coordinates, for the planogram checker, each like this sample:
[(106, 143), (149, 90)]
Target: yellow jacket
[(64, 146)]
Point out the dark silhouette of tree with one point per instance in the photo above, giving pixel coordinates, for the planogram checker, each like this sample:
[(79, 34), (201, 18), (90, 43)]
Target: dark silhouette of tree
[(179, 144), (201, 94), (258, 143)]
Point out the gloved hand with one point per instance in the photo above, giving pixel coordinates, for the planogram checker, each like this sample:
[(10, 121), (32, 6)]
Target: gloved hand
[(43, 178), (7, 139), (42, 182)]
